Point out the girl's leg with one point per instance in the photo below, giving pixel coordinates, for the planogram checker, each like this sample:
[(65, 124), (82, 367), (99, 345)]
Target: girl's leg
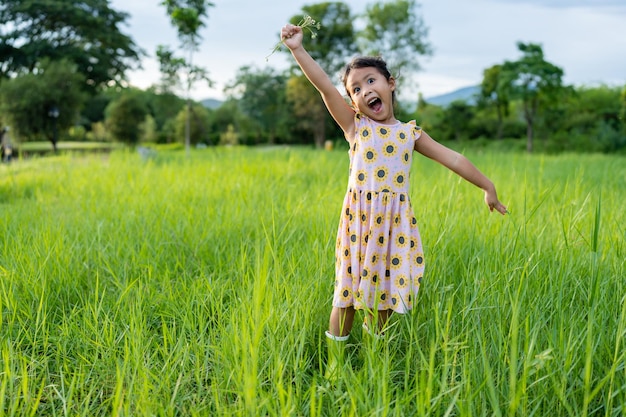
[(339, 327), (341, 319), (378, 322), (383, 317)]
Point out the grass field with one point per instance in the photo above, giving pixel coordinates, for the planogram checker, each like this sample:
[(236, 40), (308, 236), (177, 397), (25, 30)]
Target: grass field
[(201, 285)]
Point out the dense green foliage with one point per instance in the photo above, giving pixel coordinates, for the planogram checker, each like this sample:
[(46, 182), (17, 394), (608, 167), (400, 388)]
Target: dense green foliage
[(201, 285), (86, 33), (519, 99), (262, 96), (124, 117), (396, 31), (39, 105)]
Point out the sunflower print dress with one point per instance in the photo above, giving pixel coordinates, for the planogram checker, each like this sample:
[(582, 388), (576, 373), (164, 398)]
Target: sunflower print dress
[(379, 257)]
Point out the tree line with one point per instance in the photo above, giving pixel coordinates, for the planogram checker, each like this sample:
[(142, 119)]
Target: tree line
[(62, 76)]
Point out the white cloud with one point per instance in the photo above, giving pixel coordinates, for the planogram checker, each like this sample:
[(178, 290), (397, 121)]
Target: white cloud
[(585, 38)]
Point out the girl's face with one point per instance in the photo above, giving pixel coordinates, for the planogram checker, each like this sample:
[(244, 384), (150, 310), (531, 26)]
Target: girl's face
[(372, 93)]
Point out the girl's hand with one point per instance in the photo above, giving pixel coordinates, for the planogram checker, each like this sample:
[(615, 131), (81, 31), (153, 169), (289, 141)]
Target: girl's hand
[(291, 36), (491, 199)]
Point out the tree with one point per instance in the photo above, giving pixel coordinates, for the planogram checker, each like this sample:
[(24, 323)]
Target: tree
[(534, 81), (187, 17), (93, 110), (261, 96), (395, 31), (429, 117), (623, 110), (170, 67), (148, 130), (335, 41), (332, 46), (197, 126), (494, 95), (308, 108), (125, 116), (457, 118), (85, 33), (591, 119), (40, 104), (589, 105), (163, 107)]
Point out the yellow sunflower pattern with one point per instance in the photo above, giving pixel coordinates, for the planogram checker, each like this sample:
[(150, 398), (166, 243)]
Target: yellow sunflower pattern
[(361, 177), (390, 149), (383, 131), (370, 155), (366, 133)]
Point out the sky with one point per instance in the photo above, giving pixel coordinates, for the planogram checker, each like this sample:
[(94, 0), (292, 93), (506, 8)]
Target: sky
[(586, 38)]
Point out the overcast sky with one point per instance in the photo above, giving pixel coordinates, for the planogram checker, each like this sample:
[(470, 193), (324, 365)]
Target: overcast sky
[(587, 39)]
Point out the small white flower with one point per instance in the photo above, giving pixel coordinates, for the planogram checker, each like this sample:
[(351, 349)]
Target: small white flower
[(307, 23)]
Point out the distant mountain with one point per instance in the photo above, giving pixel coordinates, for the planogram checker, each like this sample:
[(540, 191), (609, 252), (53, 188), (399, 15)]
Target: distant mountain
[(466, 94), (211, 103)]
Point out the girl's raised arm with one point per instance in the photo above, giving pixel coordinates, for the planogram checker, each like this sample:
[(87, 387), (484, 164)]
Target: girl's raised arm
[(334, 101)]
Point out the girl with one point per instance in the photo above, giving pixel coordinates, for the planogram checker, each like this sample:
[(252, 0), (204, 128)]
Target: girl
[(379, 260)]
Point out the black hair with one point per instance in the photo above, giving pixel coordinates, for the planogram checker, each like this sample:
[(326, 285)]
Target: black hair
[(365, 62)]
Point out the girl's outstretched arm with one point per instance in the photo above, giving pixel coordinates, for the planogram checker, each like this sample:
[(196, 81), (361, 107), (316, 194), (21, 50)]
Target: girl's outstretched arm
[(460, 165), (339, 109)]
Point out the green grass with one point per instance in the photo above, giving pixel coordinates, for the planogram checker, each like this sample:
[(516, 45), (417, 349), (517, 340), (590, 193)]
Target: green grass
[(201, 285)]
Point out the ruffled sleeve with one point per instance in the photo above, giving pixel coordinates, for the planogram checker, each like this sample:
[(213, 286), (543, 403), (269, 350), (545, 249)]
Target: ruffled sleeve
[(416, 131)]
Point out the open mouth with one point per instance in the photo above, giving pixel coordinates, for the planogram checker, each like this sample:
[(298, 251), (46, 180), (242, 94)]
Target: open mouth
[(375, 104)]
